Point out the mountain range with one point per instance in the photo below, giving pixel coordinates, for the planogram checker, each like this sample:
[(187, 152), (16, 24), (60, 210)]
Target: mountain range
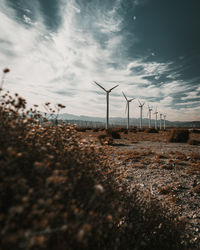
[(122, 121)]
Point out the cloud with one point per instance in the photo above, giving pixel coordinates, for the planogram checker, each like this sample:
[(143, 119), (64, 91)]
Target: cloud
[(27, 19), (60, 65)]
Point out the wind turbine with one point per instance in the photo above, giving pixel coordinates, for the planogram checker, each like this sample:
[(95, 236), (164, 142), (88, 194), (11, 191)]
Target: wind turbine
[(164, 116), (141, 109), (156, 120), (127, 108), (149, 113), (107, 102), (160, 121)]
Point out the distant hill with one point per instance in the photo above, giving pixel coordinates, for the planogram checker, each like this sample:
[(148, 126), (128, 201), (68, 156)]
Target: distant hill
[(89, 120)]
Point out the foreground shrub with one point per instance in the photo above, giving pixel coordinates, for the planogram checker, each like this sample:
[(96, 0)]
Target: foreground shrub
[(113, 133), (195, 131), (81, 129), (105, 139), (56, 192), (151, 130), (140, 130), (134, 130), (193, 142), (122, 130), (178, 135)]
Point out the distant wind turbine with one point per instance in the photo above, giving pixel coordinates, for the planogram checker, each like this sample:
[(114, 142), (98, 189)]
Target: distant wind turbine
[(149, 114), (156, 120), (141, 109), (160, 121), (127, 108), (164, 116), (107, 101)]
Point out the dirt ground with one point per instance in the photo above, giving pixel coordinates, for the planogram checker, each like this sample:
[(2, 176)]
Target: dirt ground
[(169, 172)]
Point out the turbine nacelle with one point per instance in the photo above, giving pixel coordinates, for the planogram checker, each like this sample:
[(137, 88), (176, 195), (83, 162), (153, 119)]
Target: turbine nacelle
[(108, 91), (150, 108), (141, 104), (128, 100)]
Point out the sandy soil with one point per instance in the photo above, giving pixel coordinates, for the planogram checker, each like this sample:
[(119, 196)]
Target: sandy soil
[(169, 172)]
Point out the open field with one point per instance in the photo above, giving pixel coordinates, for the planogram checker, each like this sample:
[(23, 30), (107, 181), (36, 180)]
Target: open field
[(169, 172), (61, 188)]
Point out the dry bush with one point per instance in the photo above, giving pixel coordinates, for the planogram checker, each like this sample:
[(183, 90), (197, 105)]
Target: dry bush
[(196, 189), (151, 130), (122, 130), (194, 168), (105, 140), (193, 142), (55, 193), (195, 157), (178, 135), (195, 131), (161, 156), (113, 133), (180, 156), (140, 130), (133, 130), (166, 190), (81, 129), (167, 166)]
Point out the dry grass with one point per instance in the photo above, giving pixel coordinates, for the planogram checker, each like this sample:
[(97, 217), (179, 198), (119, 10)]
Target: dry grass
[(57, 191), (196, 189), (166, 190)]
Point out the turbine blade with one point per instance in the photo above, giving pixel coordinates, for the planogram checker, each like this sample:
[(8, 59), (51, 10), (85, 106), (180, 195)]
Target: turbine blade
[(139, 102), (114, 87), (131, 100), (100, 86), (124, 96)]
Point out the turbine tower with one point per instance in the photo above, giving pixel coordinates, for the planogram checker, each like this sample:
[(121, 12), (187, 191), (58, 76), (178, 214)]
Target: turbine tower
[(141, 109), (160, 121), (107, 102), (149, 113), (156, 120), (127, 108), (164, 116)]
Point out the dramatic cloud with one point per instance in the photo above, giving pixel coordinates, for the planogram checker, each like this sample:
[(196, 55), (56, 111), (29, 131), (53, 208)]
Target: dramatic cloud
[(55, 52)]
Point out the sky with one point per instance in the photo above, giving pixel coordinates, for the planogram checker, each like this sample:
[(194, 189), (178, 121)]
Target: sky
[(56, 49)]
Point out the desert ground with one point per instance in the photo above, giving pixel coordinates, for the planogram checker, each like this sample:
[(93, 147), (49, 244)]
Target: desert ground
[(168, 171), (66, 187)]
